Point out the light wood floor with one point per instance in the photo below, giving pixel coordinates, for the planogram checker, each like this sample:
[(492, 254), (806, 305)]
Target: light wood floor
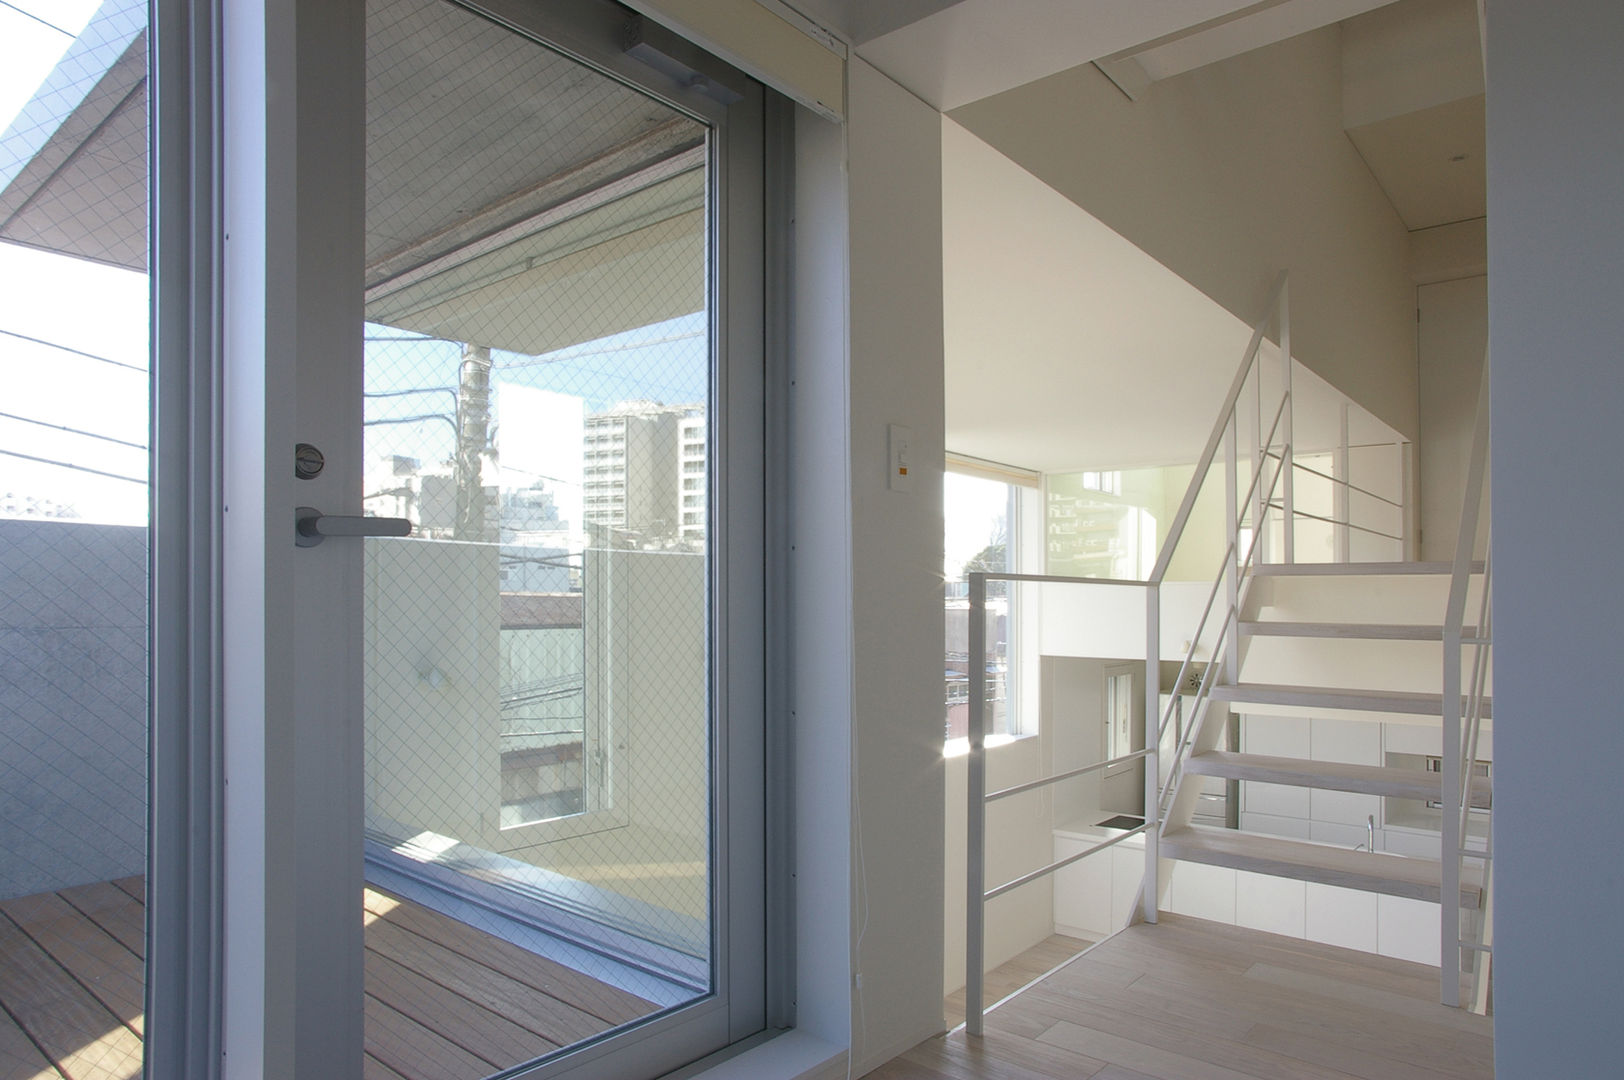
[(1007, 978), (443, 1000), (1192, 1000)]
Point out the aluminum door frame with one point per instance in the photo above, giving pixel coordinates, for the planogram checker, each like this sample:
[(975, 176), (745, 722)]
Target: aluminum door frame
[(291, 173)]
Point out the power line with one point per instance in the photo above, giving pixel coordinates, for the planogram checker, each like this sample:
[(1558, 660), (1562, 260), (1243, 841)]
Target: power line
[(632, 346), (72, 430), (408, 393), (64, 348), (75, 468)]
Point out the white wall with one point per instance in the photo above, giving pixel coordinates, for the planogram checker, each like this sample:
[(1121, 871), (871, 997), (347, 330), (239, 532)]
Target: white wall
[(432, 737), (1453, 329), (894, 170), (1226, 175), (867, 694), (1018, 830), (1556, 256), (761, 42)]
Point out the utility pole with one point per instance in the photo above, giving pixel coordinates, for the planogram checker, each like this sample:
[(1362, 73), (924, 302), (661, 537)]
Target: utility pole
[(473, 434)]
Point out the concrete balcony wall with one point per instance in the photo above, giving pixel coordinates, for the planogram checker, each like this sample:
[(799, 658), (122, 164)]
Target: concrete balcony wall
[(73, 704)]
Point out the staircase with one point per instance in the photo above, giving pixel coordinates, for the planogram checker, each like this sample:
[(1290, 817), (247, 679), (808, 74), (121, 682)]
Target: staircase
[(1382, 671), (1283, 642), (1378, 643)]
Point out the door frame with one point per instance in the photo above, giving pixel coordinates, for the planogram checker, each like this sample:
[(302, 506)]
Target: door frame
[(285, 268)]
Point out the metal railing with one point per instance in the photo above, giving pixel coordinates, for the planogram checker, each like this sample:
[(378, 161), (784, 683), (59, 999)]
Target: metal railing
[(1256, 506), (1463, 716)]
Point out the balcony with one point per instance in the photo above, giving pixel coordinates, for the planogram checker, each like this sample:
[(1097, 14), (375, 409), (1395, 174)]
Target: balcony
[(443, 999)]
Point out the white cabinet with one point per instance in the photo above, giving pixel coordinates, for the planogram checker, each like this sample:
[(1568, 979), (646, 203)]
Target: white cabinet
[(1094, 897)]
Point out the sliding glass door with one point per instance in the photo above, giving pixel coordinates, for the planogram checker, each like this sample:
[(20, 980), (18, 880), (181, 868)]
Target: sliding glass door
[(506, 727)]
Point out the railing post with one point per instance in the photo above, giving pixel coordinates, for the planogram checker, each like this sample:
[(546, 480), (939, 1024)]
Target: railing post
[(1153, 768), (976, 862), (1450, 838), (1232, 521), (1453, 751), (1288, 437), (1341, 503)]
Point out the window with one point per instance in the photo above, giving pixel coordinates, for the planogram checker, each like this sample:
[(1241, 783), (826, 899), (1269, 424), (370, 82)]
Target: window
[(1104, 524), (1124, 709), (981, 518)]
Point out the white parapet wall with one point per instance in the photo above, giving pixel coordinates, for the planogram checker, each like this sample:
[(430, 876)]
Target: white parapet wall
[(433, 723)]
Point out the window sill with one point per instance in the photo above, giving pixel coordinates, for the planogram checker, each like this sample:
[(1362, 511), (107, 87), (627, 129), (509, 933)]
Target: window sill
[(961, 747)]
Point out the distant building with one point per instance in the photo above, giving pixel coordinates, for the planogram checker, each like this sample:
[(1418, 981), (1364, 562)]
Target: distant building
[(638, 459), (691, 476)]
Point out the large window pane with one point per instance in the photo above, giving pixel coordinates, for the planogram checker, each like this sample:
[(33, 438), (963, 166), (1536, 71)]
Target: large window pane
[(538, 363), (73, 537), (980, 522)]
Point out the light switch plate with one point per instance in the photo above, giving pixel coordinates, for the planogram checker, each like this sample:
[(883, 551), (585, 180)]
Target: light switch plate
[(900, 441)]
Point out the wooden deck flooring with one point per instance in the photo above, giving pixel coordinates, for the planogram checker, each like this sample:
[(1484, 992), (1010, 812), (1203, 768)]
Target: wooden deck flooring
[(444, 1001), (1193, 1000)]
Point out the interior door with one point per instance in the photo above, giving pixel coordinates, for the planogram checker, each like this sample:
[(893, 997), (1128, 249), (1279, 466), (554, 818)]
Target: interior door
[(512, 670)]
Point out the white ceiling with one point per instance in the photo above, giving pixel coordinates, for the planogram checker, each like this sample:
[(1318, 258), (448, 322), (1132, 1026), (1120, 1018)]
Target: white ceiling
[(953, 52), (977, 48), (1265, 25)]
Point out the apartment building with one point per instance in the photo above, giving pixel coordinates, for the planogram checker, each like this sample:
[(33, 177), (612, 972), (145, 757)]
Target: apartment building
[(639, 459)]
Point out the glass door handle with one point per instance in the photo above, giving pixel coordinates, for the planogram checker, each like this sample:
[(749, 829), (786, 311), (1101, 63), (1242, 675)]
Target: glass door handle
[(311, 526)]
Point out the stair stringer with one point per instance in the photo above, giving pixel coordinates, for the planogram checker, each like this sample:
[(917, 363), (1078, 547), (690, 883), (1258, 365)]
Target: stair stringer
[(1213, 718)]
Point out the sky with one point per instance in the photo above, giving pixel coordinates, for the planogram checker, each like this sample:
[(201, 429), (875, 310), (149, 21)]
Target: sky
[(36, 33)]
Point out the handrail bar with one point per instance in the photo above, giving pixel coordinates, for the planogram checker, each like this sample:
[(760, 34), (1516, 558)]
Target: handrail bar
[(1195, 640), (1338, 521), (1203, 696), (1059, 579), (1203, 692), (1032, 785), (1175, 532), (1026, 879), (1223, 567), (1349, 484), (1483, 636), (1453, 765)]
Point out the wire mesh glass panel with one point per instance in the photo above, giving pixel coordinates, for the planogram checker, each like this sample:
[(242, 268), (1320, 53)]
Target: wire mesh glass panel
[(537, 380), (73, 537)]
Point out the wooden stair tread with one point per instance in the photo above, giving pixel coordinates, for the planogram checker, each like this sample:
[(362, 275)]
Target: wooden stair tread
[(1358, 569), (1380, 780), (1357, 631), (1299, 860), (1316, 697)]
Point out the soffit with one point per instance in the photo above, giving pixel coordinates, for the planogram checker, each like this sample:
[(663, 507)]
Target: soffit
[(1430, 162), (858, 21), (512, 129), (1068, 348), (563, 189), (73, 162)]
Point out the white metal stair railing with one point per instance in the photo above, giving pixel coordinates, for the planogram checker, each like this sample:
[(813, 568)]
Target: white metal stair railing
[(1256, 506), (1462, 724)]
